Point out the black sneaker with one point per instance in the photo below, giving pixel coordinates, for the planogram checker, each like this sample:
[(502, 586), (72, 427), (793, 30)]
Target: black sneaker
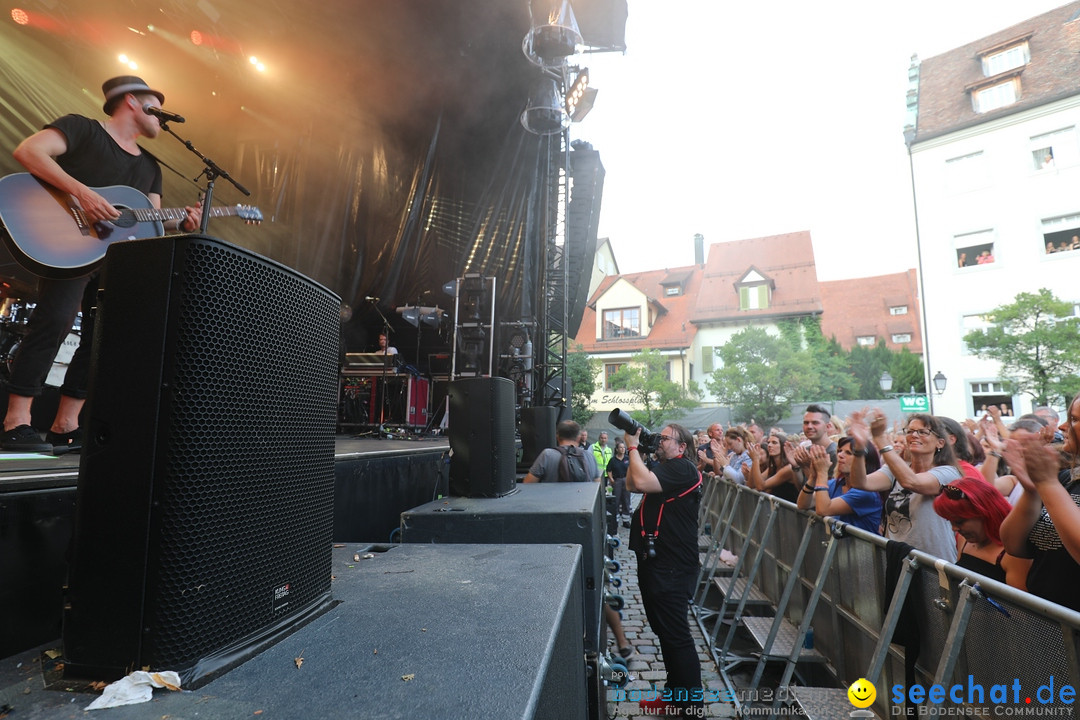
[(23, 438), (67, 442)]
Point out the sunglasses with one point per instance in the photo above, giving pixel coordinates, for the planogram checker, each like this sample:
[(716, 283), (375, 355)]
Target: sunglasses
[(953, 493)]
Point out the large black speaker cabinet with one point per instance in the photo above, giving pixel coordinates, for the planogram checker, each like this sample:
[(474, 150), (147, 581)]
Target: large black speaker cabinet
[(537, 431), (482, 437), (204, 512)]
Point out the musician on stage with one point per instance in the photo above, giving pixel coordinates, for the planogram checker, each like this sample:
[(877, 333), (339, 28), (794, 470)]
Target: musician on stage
[(384, 347), (75, 154)]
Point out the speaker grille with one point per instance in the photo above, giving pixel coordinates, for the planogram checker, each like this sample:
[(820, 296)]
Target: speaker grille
[(209, 466), (252, 429)]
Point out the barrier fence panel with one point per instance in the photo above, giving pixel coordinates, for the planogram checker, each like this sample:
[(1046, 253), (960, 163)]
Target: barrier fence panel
[(994, 649)]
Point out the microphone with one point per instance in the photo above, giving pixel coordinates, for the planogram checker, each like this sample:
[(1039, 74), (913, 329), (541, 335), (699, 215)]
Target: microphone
[(371, 299), (163, 115)]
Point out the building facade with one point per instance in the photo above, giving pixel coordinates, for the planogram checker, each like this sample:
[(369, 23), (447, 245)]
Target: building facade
[(995, 155)]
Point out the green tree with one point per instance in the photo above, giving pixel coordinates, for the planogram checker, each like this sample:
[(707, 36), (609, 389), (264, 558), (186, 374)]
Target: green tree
[(907, 371), (647, 379), (582, 371), (1036, 340), (835, 380), (867, 364), (762, 376)]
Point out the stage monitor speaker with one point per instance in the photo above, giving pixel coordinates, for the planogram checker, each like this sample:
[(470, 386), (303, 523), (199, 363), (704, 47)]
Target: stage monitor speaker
[(537, 431), (204, 513), (482, 437)]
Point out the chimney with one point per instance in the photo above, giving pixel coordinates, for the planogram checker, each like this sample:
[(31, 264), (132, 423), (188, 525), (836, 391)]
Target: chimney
[(699, 249)]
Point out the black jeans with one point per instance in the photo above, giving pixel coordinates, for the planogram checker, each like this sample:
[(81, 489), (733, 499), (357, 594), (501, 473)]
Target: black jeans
[(666, 594), (59, 301), (622, 497)]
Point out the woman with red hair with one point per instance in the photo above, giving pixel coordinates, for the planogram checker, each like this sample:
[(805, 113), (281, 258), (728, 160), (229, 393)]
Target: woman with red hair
[(975, 509)]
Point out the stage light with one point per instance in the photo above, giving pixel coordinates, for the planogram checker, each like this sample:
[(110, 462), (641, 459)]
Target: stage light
[(581, 97), (554, 33), (196, 37), (20, 16)]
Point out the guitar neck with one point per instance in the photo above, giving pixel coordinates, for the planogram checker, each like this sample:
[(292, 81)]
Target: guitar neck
[(162, 214)]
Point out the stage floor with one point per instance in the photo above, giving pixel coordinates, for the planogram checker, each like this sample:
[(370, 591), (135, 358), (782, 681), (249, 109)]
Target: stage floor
[(38, 470), (415, 633)]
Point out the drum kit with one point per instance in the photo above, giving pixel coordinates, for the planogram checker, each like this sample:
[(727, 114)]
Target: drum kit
[(14, 317)]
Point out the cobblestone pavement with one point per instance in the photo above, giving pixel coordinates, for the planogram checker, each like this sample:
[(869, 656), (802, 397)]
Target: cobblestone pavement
[(647, 665)]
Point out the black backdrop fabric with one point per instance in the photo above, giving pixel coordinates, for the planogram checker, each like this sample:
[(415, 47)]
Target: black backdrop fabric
[(381, 144)]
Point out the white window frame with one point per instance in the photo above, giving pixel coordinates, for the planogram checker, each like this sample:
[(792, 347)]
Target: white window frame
[(1061, 145), (966, 172), (901, 338), (898, 310), (996, 96), (972, 244), (973, 321), (866, 340), (1005, 60), (1068, 223)]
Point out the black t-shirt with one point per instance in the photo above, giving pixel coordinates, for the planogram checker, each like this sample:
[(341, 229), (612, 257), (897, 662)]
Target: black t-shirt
[(618, 467), (676, 542), (94, 158), (1054, 575)]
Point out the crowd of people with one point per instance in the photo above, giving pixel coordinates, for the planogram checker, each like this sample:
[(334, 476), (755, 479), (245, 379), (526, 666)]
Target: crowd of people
[(999, 495)]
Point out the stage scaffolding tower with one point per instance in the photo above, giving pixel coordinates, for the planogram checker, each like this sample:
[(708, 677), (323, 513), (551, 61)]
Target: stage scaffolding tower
[(552, 304)]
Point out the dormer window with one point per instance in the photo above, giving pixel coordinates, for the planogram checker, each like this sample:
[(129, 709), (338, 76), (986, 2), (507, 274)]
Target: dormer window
[(996, 96), (755, 291), (1010, 58), (672, 291)]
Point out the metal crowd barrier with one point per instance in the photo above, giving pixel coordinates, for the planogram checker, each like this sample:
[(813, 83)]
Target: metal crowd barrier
[(994, 650)]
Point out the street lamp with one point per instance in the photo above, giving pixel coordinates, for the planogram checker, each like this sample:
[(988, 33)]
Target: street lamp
[(885, 382), (939, 382)]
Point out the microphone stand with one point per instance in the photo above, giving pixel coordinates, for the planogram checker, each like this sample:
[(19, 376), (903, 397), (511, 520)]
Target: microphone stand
[(212, 171), (382, 375)]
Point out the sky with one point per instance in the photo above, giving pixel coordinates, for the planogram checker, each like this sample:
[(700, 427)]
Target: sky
[(739, 119)]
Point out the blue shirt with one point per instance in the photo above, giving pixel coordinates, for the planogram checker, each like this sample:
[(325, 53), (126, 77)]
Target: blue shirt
[(865, 506)]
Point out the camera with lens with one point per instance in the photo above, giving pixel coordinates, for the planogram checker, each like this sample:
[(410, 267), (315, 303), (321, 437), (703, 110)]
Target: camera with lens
[(650, 545), (647, 441)]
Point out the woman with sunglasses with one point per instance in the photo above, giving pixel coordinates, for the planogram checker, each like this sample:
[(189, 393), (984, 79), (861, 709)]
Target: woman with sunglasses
[(1044, 524), (975, 510), (835, 497), (913, 484)]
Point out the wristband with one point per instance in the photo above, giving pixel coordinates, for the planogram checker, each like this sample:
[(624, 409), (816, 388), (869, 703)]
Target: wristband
[(806, 490), (859, 453), (818, 488), (632, 449), (995, 454), (885, 449)]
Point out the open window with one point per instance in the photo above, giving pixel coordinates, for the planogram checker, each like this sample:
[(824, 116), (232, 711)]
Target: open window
[(974, 249), (1061, 234)]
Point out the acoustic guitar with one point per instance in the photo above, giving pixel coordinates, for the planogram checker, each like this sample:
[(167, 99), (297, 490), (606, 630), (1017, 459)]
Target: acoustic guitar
[(49, 235)]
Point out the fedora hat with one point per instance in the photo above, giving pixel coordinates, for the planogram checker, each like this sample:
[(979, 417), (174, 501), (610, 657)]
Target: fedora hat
[(115, 88)]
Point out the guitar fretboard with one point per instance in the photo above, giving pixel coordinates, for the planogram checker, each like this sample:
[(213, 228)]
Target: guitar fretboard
[(152, 214)]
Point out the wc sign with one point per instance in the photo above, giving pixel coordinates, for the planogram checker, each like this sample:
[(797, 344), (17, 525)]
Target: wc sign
[(914, 404)]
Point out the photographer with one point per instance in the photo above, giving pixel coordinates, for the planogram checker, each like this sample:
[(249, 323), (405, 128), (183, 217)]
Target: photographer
[(663, 534)]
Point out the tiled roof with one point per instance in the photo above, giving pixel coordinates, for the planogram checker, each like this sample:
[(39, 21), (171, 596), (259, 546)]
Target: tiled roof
[(860, 307), (785, 260), (671, 329), (945, 80)]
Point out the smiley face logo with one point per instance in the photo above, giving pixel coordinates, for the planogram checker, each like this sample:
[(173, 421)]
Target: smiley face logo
[(862, 693)]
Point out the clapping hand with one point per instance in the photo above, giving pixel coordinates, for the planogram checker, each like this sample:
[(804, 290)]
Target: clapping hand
[(1032, 461)]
